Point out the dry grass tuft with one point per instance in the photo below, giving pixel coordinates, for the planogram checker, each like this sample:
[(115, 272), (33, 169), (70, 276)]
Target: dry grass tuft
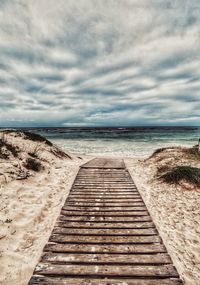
[(181, 173), (7, 149), (192, 153), (33, 164)]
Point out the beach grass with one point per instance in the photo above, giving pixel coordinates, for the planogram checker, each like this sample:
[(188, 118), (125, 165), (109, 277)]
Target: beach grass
[(181, 173), (6, 149), (36, 137), (33, 164), (193, 153)]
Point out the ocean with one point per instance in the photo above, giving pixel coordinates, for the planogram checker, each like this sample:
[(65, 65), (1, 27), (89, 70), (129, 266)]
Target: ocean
[(127, 142)]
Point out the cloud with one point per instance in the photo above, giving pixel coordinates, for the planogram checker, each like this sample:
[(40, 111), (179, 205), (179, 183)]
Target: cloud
[(116, 62)]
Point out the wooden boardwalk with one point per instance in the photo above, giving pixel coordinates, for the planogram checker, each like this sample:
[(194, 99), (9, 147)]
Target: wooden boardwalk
[(104, 235)]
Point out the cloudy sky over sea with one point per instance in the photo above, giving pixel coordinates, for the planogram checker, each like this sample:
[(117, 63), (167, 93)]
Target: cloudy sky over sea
[(99, 62)]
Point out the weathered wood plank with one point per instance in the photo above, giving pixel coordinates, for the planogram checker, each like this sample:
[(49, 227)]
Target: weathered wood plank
[(44, 280), (104, 239), (106, 214), (100, 170), (105, 177), (159, 258), (103, 225), (105, 204), (107, 270), (103, 181), (111, 220), (103, 192), (103, 185), (118, 232), (106, 209), (107, 173), (106, 218), (104, 173), (97, 180), (101, 199), (104, 195), (99, 248), (104, 199)]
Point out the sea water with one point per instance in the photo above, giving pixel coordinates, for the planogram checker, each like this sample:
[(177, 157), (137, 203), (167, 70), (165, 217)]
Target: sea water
[(127, 142)]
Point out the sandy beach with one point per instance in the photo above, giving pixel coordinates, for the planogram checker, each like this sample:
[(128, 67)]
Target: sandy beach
[(31, 202)]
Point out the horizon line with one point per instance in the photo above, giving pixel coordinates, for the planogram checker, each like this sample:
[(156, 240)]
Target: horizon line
[(133, 126)]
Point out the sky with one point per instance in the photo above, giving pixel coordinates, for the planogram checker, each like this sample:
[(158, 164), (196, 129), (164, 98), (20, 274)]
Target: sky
[(99, 62)]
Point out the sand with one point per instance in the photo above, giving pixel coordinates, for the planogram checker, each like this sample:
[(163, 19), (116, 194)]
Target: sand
[(175, 211), (28, 211)]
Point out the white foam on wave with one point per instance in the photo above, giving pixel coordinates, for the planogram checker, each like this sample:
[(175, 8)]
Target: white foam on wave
[(115, 148)]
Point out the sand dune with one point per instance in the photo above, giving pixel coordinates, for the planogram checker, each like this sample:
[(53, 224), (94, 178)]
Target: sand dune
[(174, 209), (29, 207)]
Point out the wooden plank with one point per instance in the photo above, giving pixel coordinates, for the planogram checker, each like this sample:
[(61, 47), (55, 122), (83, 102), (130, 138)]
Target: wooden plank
[(114, 232), (98, 183), (44, 280), (100, 174), (103, 192), (106, 218), (103, 171), (103, 176), (103, 180), (93, 219), (106, 214), (104, 199), (104, 185), (103, 196), (103, 225), (105, 204), (109, 184), (99, 248), (103, 239), (159, 258), (92, 198), (105, 189), (107, 270), (106, 209)]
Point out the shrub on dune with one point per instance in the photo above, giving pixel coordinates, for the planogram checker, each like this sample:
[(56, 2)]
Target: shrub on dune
[(36, 137), (193, 153), (182, 173), (6, 149), (33, 164)]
